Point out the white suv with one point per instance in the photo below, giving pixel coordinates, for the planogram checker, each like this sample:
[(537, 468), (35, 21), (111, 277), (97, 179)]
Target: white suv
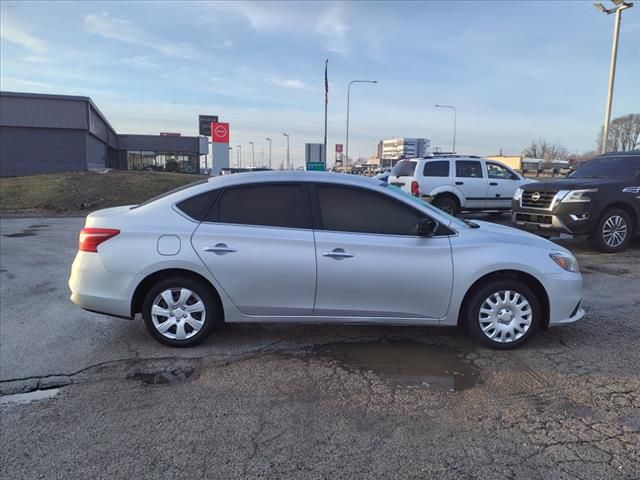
[(456, 183)]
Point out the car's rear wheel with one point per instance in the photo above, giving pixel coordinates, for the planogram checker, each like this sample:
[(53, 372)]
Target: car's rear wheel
[(503, 314), (180, 312), (613, 232), (446, 203)]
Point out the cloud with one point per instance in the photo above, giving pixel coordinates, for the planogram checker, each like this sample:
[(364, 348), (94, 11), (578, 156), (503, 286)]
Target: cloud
[(124, 31), (11, 32), (334, 28), (28, 83), (140, 61), (262, 16), (288, 83)]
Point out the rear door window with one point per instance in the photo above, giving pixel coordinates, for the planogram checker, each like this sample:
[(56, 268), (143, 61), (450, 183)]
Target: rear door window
[(468, 169), (273, 205), (436, 169), (404, 168)]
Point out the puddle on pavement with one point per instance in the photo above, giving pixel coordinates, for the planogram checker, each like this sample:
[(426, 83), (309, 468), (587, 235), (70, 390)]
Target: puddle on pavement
[(30, 231), (406, 363), (164, 378), (33, 396)]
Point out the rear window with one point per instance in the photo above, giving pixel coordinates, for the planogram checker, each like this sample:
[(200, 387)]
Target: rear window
[(170, 192), (436, 169), (197, 206), (404, 168)]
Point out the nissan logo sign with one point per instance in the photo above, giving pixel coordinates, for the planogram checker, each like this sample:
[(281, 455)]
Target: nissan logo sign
[(535, 196), (221, 131)]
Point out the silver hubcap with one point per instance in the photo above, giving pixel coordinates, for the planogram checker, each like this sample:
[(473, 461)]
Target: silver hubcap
[(614, 231), (178, 313), (505, 316)]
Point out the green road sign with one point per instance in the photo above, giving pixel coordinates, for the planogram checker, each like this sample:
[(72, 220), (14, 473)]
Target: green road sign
[(315, 166)]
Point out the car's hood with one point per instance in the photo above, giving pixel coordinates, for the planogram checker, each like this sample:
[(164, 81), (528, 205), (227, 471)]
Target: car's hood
[(567, 184), (504, 234)]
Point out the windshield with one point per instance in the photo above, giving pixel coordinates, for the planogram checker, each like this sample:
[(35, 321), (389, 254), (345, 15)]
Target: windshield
[(404, 168), (451, 218), (609, 167)]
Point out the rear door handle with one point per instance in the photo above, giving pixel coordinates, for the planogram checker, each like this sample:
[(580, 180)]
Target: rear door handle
[(220, 248), (337, 253), (459, 183), (493, 184)]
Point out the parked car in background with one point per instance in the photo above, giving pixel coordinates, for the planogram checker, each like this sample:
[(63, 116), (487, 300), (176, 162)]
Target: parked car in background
[(600, 199), (317, 247), (458, 183)]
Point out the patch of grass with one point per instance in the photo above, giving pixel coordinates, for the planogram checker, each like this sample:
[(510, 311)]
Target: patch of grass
[(79, 191)]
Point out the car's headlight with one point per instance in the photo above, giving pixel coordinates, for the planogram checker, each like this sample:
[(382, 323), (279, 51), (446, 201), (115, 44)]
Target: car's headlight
[(578, 196), (518, 195), (567, 261)]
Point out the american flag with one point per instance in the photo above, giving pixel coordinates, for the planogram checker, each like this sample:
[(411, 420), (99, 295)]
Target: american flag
[(326, 83)]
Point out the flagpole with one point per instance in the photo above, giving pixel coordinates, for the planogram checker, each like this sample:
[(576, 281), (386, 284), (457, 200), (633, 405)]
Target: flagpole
[(326, 101)]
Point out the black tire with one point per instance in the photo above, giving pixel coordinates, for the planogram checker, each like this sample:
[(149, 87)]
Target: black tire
[(447, 203), (212, 311), (482, 294), (610, 217)]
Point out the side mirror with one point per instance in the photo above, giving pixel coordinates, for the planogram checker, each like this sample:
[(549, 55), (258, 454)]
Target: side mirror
[(427, 227)]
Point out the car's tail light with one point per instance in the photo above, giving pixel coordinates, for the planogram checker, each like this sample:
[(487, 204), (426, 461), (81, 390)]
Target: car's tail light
[(415, 189), (90, 238)]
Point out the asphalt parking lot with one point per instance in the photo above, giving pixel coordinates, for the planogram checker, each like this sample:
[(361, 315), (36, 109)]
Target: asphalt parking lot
[(313, 401)]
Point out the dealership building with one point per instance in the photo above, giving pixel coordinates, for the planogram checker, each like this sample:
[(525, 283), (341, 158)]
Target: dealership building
[(59, 133)]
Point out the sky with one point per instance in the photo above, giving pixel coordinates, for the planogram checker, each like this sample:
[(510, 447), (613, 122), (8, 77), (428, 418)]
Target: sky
[(514, 70)]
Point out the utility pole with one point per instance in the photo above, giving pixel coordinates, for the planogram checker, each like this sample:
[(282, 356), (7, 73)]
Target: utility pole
[(346, 147), (288, 151), (620, 6), (269, 140), (455, 122)]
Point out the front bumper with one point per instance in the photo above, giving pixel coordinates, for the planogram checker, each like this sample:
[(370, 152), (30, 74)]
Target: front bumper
[(96, 289), (570, 218), (565, 292)]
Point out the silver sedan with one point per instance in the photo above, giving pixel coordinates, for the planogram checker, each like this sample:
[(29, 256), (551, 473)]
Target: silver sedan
[(317, 247)]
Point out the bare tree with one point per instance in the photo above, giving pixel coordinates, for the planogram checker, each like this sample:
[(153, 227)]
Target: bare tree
[(545, 150), (624, 133)]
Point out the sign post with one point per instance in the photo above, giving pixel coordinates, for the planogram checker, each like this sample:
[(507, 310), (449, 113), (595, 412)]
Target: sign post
[(219, 132)]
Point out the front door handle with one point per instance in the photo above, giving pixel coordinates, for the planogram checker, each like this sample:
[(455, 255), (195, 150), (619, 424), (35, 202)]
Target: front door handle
[(459, 183), (493, 184), (337, 253), (220, 249)]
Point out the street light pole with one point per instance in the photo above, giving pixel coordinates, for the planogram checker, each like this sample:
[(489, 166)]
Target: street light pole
[(253, 155), (239, 152), (269, 140), (287, 135), (620, 6), (455, 123), (346, 147)]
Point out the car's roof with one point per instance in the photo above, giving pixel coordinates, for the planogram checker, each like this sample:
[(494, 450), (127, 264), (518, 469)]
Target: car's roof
[(288, 176), (630, 153)]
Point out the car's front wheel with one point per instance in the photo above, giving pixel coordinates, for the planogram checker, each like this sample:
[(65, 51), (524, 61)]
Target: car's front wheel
[(613, 232), (503, 314), (180, 312)]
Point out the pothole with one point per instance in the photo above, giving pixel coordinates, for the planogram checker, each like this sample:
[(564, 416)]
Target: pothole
[(29, 397), (167, 377), (406, 363), (30, 231)]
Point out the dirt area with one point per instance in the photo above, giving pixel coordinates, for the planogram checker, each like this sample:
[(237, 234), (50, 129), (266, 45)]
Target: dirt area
[(72, 193)]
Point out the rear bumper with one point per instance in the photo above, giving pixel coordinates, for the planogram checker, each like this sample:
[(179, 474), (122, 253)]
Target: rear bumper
[(96, 289)]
